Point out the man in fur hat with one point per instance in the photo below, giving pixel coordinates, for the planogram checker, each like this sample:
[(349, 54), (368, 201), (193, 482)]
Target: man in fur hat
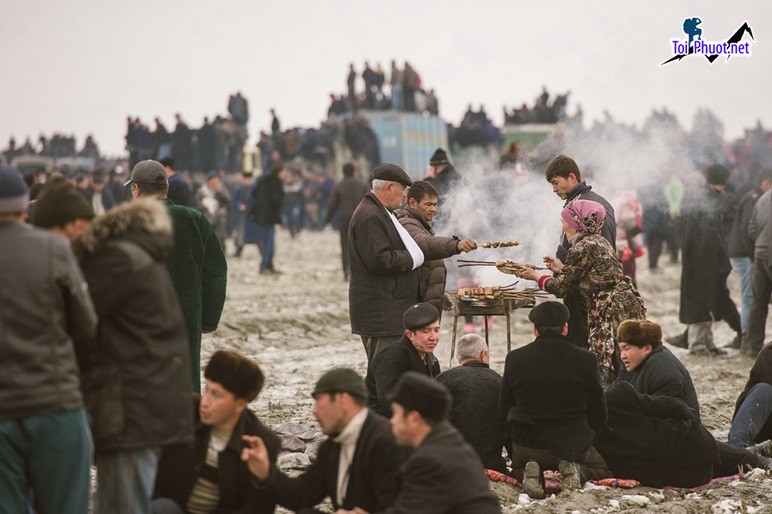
[(209, 475)]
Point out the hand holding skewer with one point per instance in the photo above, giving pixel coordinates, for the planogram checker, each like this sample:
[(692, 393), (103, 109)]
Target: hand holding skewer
[(527, 273), (466, 245), (553, 264)]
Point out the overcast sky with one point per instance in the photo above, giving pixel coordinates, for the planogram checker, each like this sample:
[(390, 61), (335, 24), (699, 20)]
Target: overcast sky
[(80, 67)]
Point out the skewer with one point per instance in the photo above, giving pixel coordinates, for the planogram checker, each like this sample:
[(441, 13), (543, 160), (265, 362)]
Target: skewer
[(498, 264), (500, 244)]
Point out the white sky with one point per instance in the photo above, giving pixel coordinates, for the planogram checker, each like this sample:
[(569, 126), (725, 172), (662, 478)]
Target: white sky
[(79, 66)]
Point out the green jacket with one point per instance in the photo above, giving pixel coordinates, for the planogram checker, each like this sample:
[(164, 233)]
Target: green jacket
[(200, 273)]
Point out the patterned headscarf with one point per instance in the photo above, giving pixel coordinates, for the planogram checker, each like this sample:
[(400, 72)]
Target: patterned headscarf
[(585, 216)]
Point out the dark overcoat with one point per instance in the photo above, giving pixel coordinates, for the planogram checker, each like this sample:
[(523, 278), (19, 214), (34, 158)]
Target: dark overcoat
[(268, 197), (703, 255), (552, 396), (444, 475), (372, 480), (383, 283), (656, 440)]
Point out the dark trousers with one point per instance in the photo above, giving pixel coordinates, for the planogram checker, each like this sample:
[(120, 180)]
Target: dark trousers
[(753, 420), (343, 224), (591, 462), (578, 330), (757, 321), (374, 345)]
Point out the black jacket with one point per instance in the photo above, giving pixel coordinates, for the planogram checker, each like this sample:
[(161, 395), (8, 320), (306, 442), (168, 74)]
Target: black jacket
[(444, 475), (655, 440), (476, 389), (383, 283), (181, 465), (552, 396), (740, 244), (662, 374), (137, 382), (372, 480), (268, 197), (388, 366)]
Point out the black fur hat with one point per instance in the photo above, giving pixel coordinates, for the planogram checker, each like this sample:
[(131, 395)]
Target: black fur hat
[(239, 375)]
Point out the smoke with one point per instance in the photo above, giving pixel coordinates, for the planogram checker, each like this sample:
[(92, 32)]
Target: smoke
[(615, 159)]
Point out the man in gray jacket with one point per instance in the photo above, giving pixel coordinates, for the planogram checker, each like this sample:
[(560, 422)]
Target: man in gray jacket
[(45, 444), (760, 230)]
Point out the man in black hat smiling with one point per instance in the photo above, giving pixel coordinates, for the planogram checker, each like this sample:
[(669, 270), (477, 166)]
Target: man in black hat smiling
[(383, 260), (412, 353), (553, 401)]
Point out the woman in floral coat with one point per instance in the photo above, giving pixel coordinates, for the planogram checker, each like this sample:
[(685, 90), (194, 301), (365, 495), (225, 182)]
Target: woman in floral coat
[(593, 267)]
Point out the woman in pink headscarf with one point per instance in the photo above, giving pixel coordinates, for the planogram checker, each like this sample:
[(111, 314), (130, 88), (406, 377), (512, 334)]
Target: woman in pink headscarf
[(593, 267)]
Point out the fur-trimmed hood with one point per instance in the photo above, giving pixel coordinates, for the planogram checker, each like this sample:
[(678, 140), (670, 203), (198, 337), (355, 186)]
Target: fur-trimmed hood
[(144, 221)]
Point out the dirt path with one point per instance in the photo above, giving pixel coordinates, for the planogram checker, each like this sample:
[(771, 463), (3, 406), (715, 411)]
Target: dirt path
[(296, 326)]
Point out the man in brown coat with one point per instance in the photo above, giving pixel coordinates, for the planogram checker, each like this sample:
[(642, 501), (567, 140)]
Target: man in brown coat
[(422, 198), (383, 259)]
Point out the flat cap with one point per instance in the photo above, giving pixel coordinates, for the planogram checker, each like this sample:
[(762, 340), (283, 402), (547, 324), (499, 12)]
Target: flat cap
[(549, 314), (341, 380), (148, 172), (419, 315), (393, 173), (417, 392)]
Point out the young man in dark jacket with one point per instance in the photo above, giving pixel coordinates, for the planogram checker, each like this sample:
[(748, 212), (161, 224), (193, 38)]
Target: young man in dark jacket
[(422, 200), (209, 475), (411, 353), (268, 196), (344, 200), (356, 467), (566, 179), (553, 399)]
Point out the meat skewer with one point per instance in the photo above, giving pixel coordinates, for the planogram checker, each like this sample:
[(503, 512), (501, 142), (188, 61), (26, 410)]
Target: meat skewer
[(500, 244), (510, 267)]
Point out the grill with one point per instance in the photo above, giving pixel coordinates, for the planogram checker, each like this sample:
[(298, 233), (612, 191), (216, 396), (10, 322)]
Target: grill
[(489, 307)]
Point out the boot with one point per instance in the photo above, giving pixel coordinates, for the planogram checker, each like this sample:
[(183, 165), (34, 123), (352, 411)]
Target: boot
[(736, 342), (572, 475), (679, 341), (764, 448), (532, 481)]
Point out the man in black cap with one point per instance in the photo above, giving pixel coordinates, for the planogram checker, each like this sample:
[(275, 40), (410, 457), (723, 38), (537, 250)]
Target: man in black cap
[(356, 467), (443, 473), (209, 475), (383, 259), (413, 352), (196, 261), (441, 173), (553, 400)]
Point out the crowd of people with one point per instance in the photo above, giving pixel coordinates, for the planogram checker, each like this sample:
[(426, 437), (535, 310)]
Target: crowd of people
[(57, 146)]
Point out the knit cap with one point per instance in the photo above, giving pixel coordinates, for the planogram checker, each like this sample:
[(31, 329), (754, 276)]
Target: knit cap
[(13, 191)]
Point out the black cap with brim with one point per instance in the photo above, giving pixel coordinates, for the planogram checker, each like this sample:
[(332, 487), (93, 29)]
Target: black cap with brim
[(148, 172), (392, 173)]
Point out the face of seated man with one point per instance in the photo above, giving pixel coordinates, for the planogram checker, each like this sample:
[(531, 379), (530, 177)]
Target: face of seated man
[(632, 355)]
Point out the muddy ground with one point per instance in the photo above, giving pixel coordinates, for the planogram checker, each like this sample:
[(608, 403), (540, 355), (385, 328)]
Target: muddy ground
[(296, 326)]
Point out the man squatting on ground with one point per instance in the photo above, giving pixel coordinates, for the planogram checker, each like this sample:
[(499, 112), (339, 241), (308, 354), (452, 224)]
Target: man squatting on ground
[(208, 475)]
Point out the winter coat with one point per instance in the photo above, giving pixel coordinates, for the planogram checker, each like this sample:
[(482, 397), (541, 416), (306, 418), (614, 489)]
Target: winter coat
[(46, 317), (247, 229), (444, 475), (703, 256), (199, 272), (372, 482), (388, 366), (761, 372), (432, 273), (476, 389), (345, 198), (268, 195), (552, 396), (137, 382), (662, 374), (655, 439), (181, 465), (760, 228), (445, 181), (383, 283)]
